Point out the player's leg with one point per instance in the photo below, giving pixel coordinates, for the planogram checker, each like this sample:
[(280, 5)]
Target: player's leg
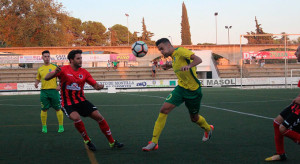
[(278, 137), (174, 99), (104, 127), (74, 112), (45, 105), (55, 103), (44, 120), (193, 102), (290, 125), (159, 126)]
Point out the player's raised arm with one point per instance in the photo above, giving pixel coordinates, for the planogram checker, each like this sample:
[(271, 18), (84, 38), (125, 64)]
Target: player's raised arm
[(166, 66), (196, 60), (52, 74)]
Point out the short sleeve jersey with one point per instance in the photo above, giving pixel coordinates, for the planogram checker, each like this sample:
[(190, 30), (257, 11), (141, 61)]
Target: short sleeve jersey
[(186, 79), (42, 72), (72, 84)]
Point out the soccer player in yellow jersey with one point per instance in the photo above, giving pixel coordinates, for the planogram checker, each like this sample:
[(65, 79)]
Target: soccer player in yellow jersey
[(49, 93), (188, 90)]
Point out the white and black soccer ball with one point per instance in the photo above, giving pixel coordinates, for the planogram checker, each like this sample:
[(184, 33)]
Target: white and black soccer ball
[(139, 49)]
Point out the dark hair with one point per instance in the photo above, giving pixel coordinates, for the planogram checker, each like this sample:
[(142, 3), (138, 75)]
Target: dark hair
[(162, 40), (72, 54), (46, 51)]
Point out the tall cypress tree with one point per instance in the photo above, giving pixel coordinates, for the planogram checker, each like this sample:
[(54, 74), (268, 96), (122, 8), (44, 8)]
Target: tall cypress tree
[(185, 28)]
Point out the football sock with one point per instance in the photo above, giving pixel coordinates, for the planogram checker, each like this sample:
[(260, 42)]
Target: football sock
[(203, 124), (44, 117), (81, 129), (106, 130), (278, 138), (159, 126), (60, 117), (293, 135)]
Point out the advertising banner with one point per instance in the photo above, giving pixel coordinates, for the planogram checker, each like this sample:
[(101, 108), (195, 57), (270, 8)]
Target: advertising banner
[(122, 57), (269, 55), (31, 59), (8, 86), (9, 59), (27, 87)]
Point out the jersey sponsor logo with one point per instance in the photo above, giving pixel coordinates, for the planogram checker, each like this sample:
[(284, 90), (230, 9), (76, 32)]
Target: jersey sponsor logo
[(73, 87), (80, 76), (50, 70), (69, 74)]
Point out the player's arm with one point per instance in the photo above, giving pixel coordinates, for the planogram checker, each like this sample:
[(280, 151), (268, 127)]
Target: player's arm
[(196, 60), (166, 66), (98, 86), (36, 83), (52, 74), (297, 100)]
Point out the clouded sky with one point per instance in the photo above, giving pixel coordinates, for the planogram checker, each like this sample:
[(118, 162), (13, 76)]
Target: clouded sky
[(163, 17)]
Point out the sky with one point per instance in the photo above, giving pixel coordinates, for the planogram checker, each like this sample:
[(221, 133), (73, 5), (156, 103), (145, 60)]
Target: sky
[(163, 17)]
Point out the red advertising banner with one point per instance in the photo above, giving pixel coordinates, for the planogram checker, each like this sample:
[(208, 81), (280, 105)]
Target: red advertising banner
[(269, 55), (122, 57), (8, 86)]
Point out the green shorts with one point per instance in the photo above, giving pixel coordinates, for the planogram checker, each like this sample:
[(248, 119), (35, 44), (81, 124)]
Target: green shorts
[(192, 99), (50, 98)]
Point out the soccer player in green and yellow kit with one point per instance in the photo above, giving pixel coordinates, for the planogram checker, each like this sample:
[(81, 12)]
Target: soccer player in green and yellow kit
[(188, 90), (49, 93)]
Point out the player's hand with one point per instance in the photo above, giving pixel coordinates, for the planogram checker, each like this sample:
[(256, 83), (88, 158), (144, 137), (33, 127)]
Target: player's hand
[(185, 68), (58, 88), (36, 85), (58, 69), (297, 100), (98, 86), (166, 66)]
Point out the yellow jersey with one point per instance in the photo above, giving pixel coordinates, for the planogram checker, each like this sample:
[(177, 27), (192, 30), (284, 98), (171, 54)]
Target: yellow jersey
[(186, 79), (42, 72)]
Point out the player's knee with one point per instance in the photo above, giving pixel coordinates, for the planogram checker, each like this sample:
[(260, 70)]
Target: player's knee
[(165, 110), (194, 118), (282, 129)]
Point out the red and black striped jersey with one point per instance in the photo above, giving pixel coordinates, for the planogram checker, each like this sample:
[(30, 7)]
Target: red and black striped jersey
[(72, 84)]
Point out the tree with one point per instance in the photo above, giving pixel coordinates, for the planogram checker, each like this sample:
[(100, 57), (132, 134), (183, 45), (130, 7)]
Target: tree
[(93, 33), (146, 35), (185, 27), (75, 29), (121, 34), (33, 23), (259, 39)]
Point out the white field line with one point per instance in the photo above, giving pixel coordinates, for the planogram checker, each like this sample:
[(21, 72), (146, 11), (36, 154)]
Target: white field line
[(228, 110)]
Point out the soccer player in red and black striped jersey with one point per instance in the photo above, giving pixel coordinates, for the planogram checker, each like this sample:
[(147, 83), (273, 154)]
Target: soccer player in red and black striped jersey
[(287, 124), (72, 80)]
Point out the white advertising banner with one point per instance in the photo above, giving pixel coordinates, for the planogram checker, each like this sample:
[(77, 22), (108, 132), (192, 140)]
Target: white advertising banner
[(27, 87), (96, 58), (31, 59), (55, 58), (9, 59)]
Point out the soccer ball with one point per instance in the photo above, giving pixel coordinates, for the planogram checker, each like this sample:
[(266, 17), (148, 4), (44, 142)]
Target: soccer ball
[(139, 49)]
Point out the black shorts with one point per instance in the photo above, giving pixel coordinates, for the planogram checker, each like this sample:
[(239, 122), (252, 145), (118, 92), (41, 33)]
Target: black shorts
[(84, 108), (291, 117), (153, 71)]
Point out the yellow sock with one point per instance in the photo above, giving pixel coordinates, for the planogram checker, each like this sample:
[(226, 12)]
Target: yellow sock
[(60, 117), (203, 124), (44, 117), (159, 126)]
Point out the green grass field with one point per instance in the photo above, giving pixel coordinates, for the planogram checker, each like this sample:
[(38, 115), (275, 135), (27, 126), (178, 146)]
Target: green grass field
[(242, 119)]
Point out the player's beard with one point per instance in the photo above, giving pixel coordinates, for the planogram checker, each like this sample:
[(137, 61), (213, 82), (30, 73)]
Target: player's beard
[(78, 65)]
